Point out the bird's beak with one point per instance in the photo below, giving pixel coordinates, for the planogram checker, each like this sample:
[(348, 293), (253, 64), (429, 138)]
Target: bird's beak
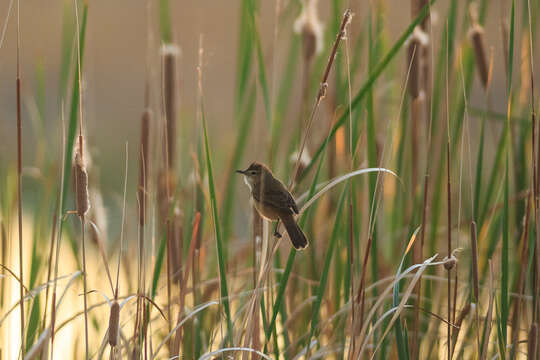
[(243, 172)]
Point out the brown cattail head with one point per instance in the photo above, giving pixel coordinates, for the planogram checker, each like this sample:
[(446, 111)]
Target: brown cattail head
[(114, 322), (310, 27), (143, 164), (170, 54), (417, 42), (476, 34), (81, 185)]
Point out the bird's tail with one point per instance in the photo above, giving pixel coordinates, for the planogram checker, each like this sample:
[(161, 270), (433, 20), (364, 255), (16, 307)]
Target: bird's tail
[(296, 234)]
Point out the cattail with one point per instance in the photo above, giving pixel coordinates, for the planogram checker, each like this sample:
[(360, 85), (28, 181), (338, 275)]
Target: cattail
[(476, 34), (81, 185), (417, 42), (114, 321), (143, 164), (311, 29), (169, 55)]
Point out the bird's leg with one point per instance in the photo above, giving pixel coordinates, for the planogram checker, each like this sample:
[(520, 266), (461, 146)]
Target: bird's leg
[(276, 232)]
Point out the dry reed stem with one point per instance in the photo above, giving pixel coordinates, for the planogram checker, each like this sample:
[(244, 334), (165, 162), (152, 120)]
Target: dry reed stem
[(489, 314), (142, 204), (476, 286), (347, 16), (50, 263), (520, 282), (19, 178), (457, 323), (532, 343)]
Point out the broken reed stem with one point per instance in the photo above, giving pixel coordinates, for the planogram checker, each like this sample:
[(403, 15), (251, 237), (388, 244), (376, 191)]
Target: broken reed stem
[(19, 178)]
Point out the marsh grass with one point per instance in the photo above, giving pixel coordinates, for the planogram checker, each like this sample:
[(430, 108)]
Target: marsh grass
[(420, 198)]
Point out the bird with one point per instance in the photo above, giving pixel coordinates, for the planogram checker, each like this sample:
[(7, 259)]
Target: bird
[(273, 201)]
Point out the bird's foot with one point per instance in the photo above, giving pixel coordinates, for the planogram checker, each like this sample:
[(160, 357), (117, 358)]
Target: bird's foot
[(277, 234)]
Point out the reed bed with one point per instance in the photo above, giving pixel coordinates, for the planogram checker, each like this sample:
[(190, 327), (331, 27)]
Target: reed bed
[(411, 147)]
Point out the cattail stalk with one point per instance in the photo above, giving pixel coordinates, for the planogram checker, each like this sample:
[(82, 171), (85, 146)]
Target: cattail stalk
[(457, 323), (81, 183), (19, 178), (520, 283), (142, 200)]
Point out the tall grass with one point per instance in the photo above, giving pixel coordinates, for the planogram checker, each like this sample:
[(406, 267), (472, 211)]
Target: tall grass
[(434, 254)]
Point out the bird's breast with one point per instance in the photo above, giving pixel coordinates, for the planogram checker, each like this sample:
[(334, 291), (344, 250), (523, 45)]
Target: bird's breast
[(267, 212)]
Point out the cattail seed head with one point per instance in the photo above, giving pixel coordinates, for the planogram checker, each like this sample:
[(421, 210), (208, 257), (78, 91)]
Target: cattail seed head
[(476, 34), (310, 27), (417, 42), (170, 54), (81, 186), (114, 321)]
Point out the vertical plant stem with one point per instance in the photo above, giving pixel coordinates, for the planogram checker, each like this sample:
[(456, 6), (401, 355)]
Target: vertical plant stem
[(19, 179)]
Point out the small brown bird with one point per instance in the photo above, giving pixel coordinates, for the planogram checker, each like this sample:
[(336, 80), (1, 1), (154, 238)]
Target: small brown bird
[(273, 201)]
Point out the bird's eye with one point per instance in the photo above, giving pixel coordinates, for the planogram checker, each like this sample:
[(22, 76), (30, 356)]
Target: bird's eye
[(252, 172)]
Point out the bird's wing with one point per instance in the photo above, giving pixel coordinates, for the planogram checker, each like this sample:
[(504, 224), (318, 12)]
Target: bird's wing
[(277, 197)]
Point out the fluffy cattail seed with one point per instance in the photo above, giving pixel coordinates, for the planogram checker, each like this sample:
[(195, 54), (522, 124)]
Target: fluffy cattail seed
[(114, 321), (81, 186), (417, 42), (310, 27)]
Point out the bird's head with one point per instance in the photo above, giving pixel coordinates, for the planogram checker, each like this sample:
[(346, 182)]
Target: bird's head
[(253, 173)]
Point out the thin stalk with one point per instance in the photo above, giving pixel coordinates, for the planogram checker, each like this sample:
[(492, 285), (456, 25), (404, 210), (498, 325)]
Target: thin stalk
[(19, 178)]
